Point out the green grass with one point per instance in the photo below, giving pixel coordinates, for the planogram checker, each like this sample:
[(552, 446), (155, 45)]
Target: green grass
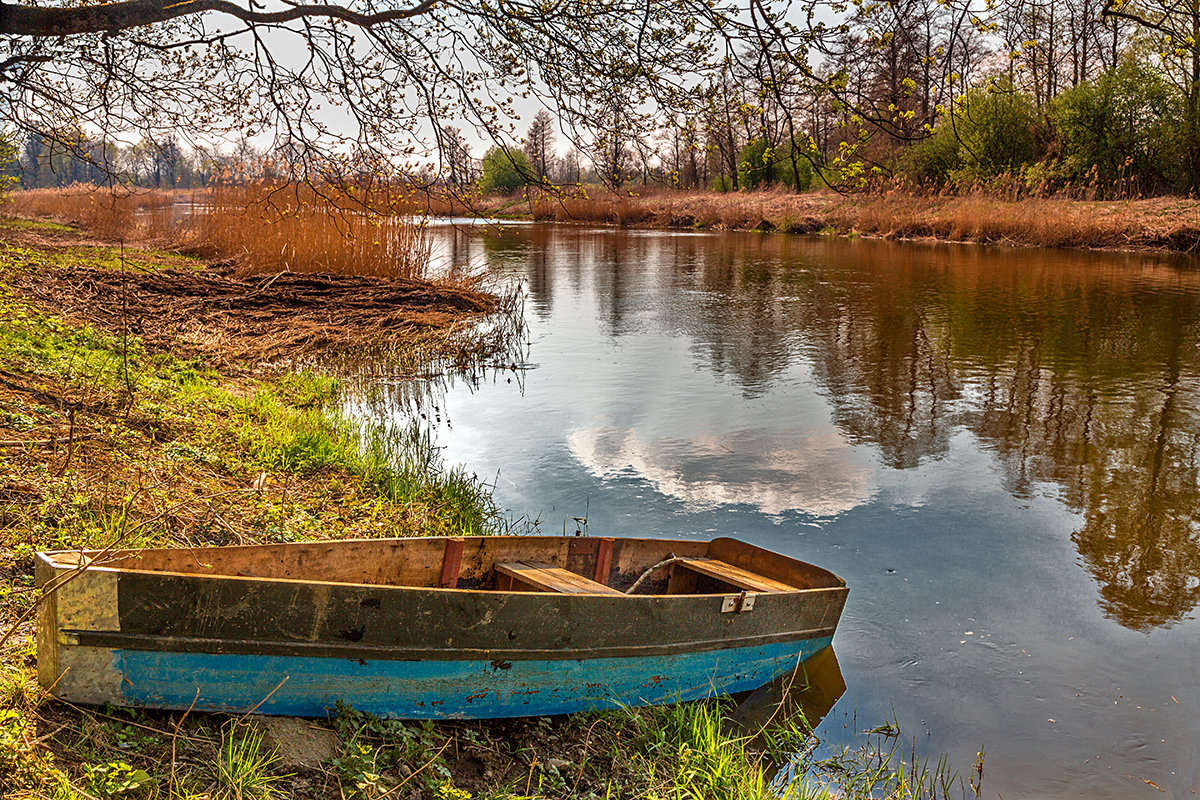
[(118, 779), (27, 771), (402, 464), (690, 751), (44, 225), (15, 257), (243, 769), (686, 751), (40, 344), (155, 409)]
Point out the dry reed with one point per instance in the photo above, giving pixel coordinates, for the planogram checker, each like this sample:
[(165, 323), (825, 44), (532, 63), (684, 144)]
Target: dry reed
[(299, 228), (110, 213), (261, 227), (1169, 223), (377, 230)]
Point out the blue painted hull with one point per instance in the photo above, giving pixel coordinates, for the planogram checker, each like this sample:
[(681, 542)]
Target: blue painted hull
[(295, 629), (469, 689)]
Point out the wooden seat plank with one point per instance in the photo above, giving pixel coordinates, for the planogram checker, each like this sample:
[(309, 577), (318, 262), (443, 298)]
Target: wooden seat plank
[(735, 576), (551, 578)]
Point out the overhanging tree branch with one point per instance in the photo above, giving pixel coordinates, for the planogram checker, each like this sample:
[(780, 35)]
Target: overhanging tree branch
[(39, 21)]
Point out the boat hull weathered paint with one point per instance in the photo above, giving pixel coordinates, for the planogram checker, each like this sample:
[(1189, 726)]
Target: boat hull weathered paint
[(311, 687), (191, 635)]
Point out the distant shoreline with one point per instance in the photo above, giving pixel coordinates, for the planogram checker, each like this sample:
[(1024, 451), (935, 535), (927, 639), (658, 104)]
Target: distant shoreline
[(1160, 224)]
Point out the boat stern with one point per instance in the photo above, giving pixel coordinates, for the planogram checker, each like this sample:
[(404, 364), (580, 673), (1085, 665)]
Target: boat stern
[(74, 597)]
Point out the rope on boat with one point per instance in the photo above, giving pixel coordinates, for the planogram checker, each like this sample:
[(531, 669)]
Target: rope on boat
[(646, 574)]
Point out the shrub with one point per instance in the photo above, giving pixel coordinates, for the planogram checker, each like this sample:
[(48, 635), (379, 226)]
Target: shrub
[(504, 171), (998, 131), (992, 130), (934, 159), (721, 183), (793, 168), (760, 164), (1119, 125), (756, 165)]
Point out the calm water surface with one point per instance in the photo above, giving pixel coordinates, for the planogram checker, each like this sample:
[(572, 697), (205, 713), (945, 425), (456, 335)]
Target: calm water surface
[(998, 449)]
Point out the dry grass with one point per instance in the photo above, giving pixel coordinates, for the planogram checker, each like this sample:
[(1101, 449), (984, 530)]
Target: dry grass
[(1168, 223), (214, 314), (260, 227), (296, 228), (377, 230), (106, 212)]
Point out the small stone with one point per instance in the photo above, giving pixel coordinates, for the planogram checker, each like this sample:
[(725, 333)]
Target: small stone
[(557, 763), (299, 743)]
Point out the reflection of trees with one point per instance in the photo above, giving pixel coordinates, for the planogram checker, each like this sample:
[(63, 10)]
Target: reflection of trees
[(736, 323), (1096, 393), (1139, 538), (612, 259), (1075, 373), (889, 381), (1077, 370)]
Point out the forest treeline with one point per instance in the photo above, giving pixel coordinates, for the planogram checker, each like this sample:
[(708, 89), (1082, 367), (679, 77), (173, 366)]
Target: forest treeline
[(1027, 96), (1037, 97), (55, 159)]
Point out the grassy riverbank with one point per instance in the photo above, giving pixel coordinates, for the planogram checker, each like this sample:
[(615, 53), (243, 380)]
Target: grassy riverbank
[(134, 413), (148, 398), (1163, 223)]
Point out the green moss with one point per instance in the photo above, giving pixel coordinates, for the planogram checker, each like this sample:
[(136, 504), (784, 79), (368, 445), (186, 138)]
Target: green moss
[(45, 225)]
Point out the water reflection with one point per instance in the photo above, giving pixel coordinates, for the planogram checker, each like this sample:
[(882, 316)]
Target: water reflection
[(809, 691), (1078, 373), (810, 473)]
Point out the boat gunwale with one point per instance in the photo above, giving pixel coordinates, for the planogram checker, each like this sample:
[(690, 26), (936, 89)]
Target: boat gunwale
[(392, 587), (838, 583)]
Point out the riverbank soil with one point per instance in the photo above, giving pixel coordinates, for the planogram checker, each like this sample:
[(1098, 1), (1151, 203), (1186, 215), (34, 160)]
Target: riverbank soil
[(151, 399), (1163, 223)]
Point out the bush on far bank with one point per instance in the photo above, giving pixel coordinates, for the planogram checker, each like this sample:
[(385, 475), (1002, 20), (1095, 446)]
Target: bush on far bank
[(1122, 126), (992, 130), (1117, 135), (505, 170), (760, 164)]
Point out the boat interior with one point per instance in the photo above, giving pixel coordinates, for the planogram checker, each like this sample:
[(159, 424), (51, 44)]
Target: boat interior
[(564, 564)]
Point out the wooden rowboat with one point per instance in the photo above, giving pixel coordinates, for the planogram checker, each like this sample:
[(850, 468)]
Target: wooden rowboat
[(428, 628)]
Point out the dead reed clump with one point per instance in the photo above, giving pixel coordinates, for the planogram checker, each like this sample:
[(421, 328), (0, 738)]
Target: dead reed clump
[(261, 227), (575, 208), (110, 213), (300, 228), (1041, 222), (219, 314)]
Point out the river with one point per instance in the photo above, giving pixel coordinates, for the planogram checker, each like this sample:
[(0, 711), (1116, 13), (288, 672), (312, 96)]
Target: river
[(997, 448)]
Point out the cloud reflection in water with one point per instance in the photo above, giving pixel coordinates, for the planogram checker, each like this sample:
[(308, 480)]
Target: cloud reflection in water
[(811, 472)]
